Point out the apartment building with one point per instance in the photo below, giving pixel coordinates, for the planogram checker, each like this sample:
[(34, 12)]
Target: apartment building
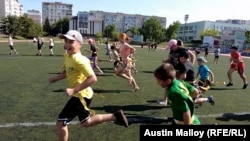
[(35, 15), (11, 8), (192, 31), (95, 21), (55, 11)]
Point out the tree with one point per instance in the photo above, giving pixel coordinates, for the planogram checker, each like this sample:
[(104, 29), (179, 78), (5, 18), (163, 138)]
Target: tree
[(28, 28), (171, 31), (61, 26), (209, 32), (47, 26), (134, 30), (109, 31), (152, 29), (247, 34), (23, 26), (98, 36), (10, 25)]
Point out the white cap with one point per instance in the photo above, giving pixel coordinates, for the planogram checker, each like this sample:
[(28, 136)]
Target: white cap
[(72, 35), (171, 43)]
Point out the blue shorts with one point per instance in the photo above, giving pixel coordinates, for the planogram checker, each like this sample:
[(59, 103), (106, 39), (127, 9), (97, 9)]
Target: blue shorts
[(74, 108)]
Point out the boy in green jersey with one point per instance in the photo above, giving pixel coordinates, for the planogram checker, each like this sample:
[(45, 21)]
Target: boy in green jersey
[(182, 104)]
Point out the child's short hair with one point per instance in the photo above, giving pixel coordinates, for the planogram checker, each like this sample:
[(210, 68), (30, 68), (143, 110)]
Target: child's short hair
[(184, 54), (180, 69), (112, 47), (165, 71)]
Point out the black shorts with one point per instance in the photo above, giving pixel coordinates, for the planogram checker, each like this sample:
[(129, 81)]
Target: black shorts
[(204, 83), (50, 47), (116, 64), (11, 47), (74, 108), (39, 47), (216, 57)]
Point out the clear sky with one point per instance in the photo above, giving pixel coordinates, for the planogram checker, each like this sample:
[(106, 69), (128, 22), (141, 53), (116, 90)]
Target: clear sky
[(173, 10)]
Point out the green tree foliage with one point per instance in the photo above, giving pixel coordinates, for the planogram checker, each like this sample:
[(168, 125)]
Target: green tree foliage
[(22, 26), (47, 26), (98, 35), (247, 34), (134, 30), (152, 29), (10, 25), (61, 26), (109, 31), (171, 31), (209, 32)]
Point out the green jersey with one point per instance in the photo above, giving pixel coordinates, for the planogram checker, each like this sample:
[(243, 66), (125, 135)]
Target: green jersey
[(181, 101)]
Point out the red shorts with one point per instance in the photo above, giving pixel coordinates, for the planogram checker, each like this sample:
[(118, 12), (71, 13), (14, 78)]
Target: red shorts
[(240, 67)]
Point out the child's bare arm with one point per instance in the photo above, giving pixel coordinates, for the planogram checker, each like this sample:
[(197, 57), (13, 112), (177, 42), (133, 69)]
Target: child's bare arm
[(88, 82), (187, 118), (211, 76), (60, 76)]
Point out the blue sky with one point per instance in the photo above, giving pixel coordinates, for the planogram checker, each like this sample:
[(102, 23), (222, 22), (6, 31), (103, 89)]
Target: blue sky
[(173, 10)]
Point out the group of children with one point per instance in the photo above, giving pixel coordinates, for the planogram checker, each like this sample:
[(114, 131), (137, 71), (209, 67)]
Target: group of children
[(80, 75), (182, 88), (176, 75)]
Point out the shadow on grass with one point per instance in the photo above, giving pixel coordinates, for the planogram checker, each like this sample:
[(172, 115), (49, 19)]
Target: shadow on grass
[(105, 74), (54, 72), (109, 91), (59, 90), (111, 109), (232, 116), (96, 91), (104, 61), (224, 88), (44, 55), (147, 120), (107, 69), (147, 71), (157, 102)]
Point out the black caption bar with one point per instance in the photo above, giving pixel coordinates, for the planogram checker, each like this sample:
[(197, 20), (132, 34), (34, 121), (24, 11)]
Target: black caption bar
[(194, 132)]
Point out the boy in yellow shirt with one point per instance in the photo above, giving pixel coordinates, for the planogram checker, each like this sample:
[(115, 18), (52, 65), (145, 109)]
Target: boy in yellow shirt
[(80, 76)]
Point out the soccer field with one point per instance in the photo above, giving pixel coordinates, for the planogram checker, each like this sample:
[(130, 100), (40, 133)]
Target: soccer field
[(30, 105)]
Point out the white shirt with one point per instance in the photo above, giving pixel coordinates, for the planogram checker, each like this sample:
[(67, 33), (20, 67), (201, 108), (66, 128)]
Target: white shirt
[(10, 41), (51, 42)]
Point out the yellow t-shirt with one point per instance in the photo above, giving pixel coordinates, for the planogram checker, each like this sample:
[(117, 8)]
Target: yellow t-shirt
[(78, 68)]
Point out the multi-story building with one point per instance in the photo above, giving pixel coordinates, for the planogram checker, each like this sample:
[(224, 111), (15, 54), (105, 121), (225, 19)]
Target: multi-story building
[(95, 21), (35, 15), (235, 21), (11, 8), (192, 31), (55, 11)]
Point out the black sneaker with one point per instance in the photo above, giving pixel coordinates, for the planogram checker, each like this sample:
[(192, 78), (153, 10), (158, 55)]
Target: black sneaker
[(121, 118), (229, 84), (211, 100), (245, 86)]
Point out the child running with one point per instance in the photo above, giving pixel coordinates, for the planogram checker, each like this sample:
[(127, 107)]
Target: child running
[(94, 56), (185, 72), (124, 70), (205, 75), (236, 63), (80, 76), (182, 104)]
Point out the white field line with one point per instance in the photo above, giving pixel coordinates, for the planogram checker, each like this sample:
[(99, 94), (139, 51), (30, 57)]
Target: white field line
[(32, 124)]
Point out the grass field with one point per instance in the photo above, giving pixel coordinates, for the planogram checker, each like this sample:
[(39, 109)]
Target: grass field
[(30, 105)]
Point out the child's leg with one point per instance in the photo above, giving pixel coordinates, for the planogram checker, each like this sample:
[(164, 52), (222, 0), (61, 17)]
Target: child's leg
[(62, 131), (100, 118)]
